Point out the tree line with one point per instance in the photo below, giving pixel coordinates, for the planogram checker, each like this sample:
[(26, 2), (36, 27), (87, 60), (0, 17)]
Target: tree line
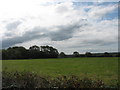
[(89, 54), (36, 52), (33, 52)]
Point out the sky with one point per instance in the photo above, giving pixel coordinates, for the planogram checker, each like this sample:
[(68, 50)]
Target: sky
[(68, 25)]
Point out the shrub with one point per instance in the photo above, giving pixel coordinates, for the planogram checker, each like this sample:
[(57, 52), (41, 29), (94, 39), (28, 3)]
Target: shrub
[(32, 80)]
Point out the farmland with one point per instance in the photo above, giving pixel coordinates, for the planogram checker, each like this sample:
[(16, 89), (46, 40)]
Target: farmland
[(104, 68)]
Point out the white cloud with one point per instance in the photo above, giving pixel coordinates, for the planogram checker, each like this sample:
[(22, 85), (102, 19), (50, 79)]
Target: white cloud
[(50, 24), (99, 12)]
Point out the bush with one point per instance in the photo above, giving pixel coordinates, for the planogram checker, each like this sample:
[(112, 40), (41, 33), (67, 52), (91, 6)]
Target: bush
[(32, 80)]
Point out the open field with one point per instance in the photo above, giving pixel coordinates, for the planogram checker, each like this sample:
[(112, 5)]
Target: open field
[(104, 68)]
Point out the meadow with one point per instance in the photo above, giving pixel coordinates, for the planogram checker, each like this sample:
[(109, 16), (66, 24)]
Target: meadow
[(103, 68)]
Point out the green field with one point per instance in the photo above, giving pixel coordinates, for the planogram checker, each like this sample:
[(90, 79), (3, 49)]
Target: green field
[(105, 68)]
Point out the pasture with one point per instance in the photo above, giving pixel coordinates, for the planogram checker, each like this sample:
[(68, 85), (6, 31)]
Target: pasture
[(103, 68)]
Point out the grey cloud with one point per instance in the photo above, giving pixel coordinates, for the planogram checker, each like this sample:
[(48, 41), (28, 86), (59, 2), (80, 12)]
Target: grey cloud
[(93, 42), (100, 42), (31, 35), (64, 32), (97, 42), (13, 25), (61, 9), (8, 34)]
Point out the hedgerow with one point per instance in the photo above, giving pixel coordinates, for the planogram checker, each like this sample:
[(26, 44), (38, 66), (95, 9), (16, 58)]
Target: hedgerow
[(32, 80)]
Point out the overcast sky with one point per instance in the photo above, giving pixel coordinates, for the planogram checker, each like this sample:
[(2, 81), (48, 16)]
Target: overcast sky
[(64, 24)]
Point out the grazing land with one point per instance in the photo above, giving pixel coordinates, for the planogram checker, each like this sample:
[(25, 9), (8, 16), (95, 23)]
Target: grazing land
[(103, 68)]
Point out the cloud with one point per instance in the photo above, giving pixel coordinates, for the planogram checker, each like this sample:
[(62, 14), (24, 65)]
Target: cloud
[(13, 25), (66, 26), (64, 32), (99, 12), (21, 39)]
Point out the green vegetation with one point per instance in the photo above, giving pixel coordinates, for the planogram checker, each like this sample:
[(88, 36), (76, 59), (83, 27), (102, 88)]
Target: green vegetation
[(104, 68), (16, 80), (34, 52), (38, 52)]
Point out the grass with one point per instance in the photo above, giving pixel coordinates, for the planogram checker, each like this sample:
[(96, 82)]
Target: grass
[(104, 68)]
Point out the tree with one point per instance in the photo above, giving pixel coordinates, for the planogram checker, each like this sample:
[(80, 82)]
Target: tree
[(14, 53), (106, 54), (62, 54), (5, 54), (76, 54), (35, 48), (49, 51), (33, 52), (88, 54)]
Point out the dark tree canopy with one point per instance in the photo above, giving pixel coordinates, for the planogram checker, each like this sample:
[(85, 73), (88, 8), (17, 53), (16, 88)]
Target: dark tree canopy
[(14, 53), (88, 54), (76, 54), (62, 55), (36, 52), (33, 52), (34, 48), (106, 54)]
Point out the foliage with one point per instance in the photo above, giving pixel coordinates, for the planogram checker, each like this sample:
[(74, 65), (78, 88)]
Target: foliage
[(36, 52), (33, 52), (32, 80), (88, 54), (62, 55), (76, 54), (106, 54)]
